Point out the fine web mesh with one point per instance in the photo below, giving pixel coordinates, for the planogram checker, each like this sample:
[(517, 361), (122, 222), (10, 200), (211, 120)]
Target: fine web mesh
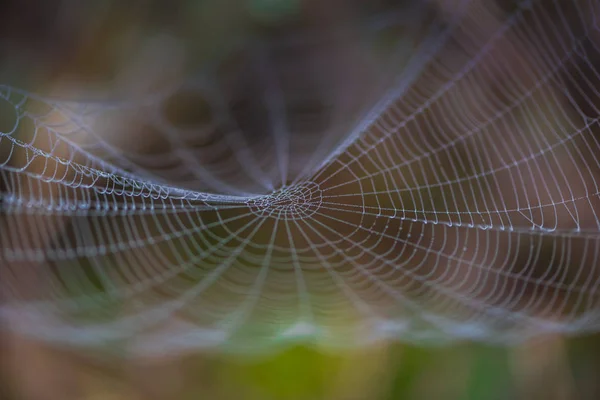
[(442, 187)]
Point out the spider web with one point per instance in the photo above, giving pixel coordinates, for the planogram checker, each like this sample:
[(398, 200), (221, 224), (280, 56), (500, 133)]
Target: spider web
[(448, 191)]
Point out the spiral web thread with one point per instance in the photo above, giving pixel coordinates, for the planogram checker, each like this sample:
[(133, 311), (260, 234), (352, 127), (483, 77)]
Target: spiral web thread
[(458, 202)]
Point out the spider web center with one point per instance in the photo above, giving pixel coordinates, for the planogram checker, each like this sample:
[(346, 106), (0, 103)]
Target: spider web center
[(299, 201)]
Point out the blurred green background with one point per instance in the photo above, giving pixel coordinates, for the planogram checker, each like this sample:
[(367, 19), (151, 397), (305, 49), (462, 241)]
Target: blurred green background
[(549, 368)]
